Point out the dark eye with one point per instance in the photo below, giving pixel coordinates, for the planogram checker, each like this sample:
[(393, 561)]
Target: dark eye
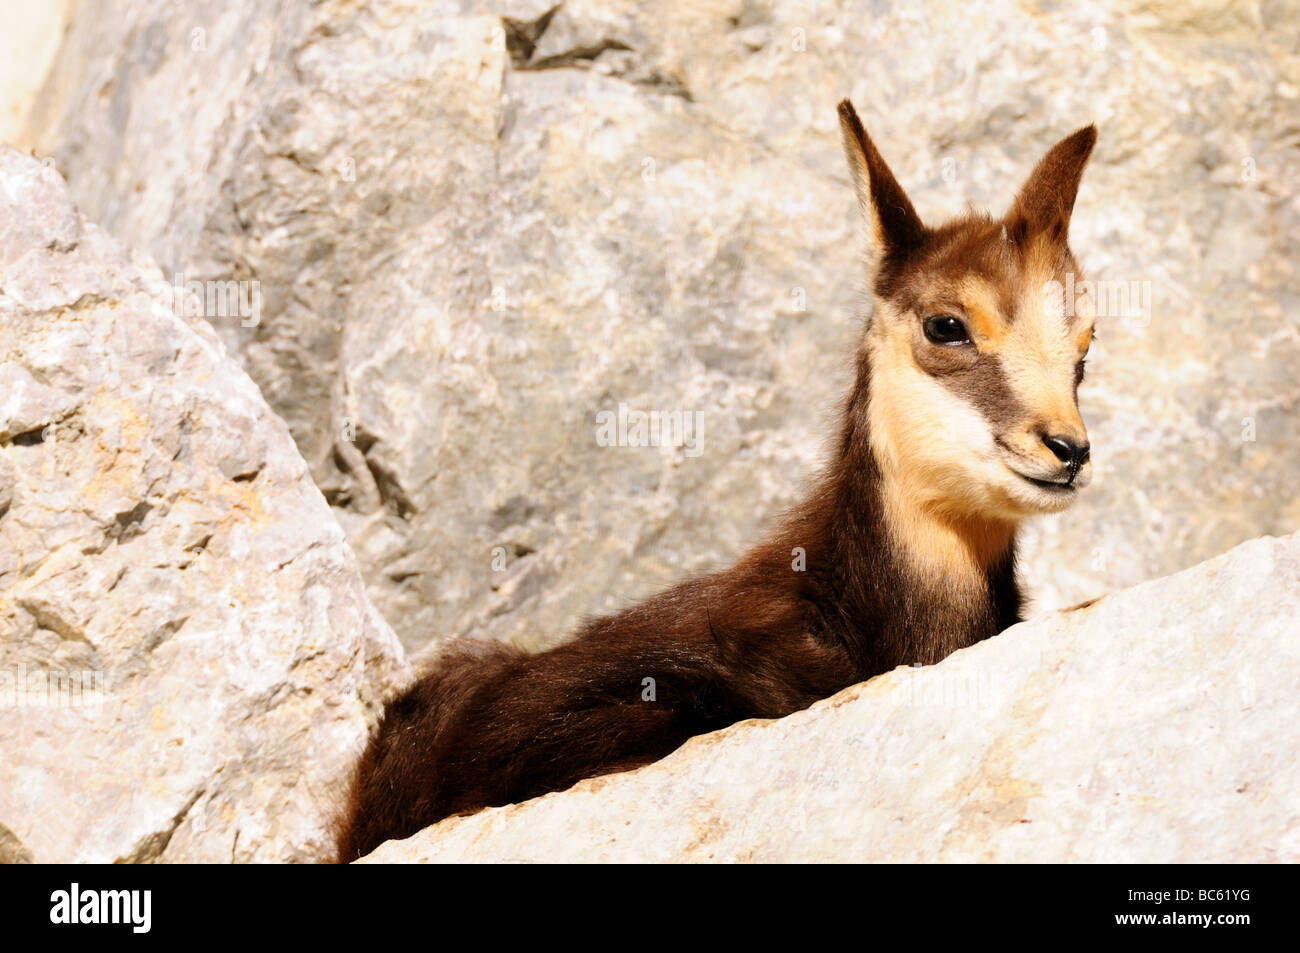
[(945, 329), (1078, 372)]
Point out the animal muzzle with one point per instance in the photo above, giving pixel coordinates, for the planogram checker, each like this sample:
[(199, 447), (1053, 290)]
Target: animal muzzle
[(1072, 453)]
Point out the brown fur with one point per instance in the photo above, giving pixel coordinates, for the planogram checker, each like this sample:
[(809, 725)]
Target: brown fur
[(894, 574)]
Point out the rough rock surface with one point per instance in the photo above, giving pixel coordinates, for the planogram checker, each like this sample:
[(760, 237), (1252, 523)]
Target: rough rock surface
[(478, 224), (1160, 724), (188, 661)]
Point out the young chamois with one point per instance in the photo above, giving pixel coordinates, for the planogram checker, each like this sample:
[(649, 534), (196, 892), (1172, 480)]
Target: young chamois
[(963, 420)]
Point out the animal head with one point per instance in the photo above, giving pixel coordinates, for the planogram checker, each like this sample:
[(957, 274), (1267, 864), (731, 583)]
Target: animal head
[(975, 360)]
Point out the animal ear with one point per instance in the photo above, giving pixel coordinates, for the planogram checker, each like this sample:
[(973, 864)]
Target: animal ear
[(896, 227), (1046, 199)]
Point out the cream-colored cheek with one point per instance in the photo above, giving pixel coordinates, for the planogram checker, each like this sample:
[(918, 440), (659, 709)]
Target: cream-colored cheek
[(929, 440)]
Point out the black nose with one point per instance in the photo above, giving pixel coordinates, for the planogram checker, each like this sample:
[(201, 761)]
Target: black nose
[(1072, 454)]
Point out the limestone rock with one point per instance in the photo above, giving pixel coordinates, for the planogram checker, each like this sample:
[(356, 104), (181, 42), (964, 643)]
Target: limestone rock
[(477, 225), (1160, 724), (188, 660)]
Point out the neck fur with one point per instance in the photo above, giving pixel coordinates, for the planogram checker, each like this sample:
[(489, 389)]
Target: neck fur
[(909, 581)]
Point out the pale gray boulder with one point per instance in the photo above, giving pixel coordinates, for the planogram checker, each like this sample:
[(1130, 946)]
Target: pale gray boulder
[(479, 224), (188, 660)]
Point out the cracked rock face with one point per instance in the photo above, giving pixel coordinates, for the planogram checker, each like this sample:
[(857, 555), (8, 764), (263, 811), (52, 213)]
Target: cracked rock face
[(478, 225), (188, 661), (1160, 724)]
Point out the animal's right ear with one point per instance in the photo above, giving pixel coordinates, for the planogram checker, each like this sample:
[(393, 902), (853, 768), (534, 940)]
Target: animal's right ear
[(895, 226), (1046, 200)]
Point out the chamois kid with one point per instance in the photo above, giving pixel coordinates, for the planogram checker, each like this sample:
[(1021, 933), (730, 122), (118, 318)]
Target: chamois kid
[(963, 420)]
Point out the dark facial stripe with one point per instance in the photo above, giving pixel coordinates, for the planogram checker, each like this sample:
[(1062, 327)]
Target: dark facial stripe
[(980, 379), (985, 385)]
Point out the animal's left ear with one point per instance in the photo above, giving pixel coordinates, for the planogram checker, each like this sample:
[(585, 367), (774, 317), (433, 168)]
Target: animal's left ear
[(1047, 197)]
